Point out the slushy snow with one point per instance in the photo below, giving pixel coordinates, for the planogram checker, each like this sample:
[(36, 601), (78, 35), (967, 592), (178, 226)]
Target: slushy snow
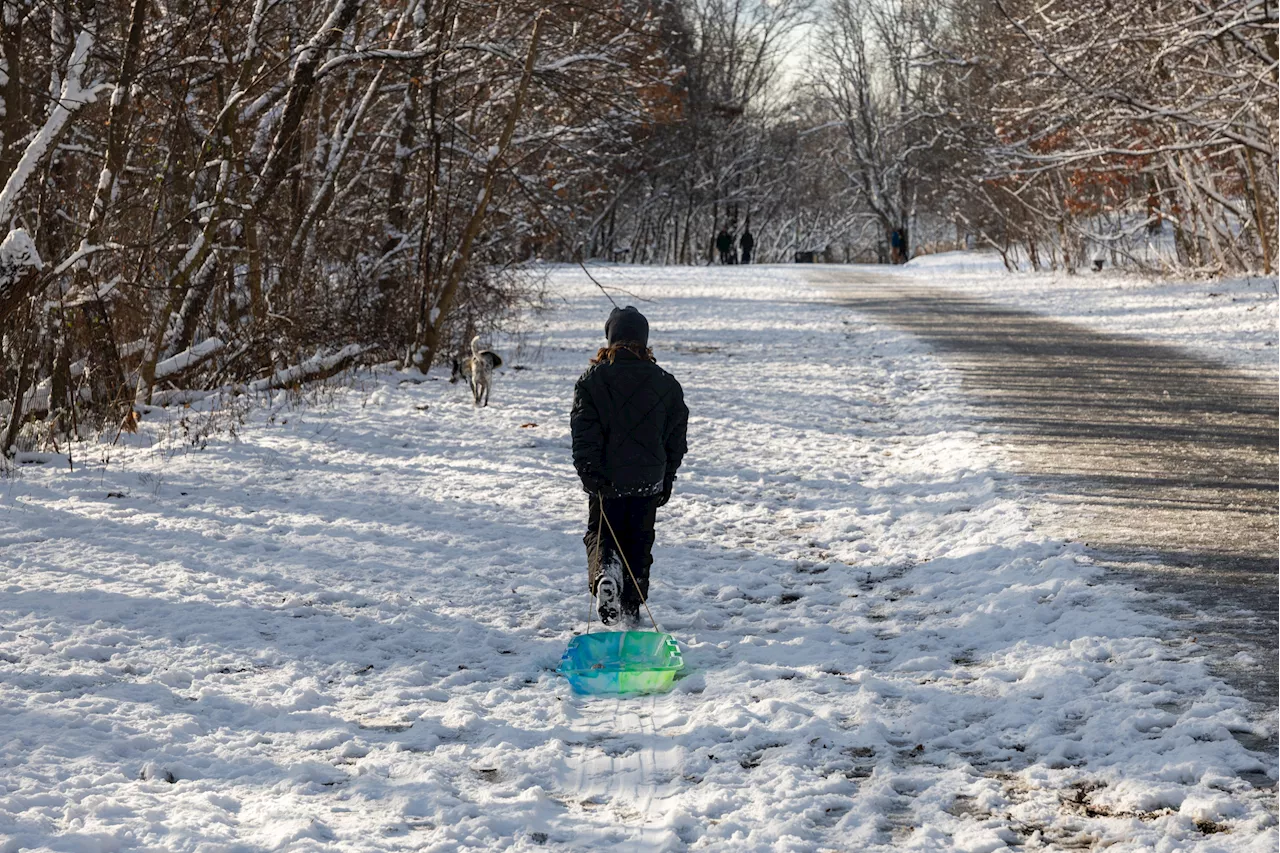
[(334, 625)]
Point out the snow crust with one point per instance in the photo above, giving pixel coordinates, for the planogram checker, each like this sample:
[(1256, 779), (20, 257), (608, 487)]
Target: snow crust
[(336, 627)]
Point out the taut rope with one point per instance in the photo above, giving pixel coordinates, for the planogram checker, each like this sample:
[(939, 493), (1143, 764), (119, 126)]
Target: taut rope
[(625, 562)]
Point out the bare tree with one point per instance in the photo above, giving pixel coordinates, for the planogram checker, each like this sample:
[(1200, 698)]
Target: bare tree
[(274, 190)]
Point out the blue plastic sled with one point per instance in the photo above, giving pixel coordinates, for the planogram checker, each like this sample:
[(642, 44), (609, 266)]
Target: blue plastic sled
[(614, 662)]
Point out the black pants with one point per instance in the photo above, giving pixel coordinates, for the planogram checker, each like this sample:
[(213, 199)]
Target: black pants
[(632, 520)]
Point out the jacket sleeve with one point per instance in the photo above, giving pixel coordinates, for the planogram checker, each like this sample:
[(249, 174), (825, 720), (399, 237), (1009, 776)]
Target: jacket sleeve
[(588, 433), (677, 427)]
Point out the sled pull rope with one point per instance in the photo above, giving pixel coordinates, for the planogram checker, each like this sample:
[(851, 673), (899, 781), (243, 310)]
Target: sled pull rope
[(625, 563), (591, 605)]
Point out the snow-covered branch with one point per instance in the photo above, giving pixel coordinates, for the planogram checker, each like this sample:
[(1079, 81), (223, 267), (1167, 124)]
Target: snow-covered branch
[(311, 370), (72, 96)]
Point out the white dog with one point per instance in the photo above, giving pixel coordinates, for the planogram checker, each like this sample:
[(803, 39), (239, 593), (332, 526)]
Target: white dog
[(480, 369)]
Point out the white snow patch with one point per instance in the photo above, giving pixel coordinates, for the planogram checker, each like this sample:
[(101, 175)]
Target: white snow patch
[(336, 627), (17, 255)]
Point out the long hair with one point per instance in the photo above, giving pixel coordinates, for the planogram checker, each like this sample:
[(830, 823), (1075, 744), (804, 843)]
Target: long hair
[(636, 348)]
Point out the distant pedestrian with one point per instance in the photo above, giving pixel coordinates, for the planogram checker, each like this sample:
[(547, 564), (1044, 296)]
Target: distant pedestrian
[(898, 246), (724, 245), (747, 242)]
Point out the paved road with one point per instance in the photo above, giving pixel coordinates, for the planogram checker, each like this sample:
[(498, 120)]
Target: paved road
[(1165, 464)]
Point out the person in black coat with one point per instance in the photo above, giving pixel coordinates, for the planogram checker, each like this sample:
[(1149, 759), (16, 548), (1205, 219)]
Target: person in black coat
[(747, 242), (628, 425), (724, 244)]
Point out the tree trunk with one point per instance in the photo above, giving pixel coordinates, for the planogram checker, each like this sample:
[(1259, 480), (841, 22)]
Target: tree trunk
[(26, 370), (106, 356), (302, 81), (462, 255), (13, 125), (1260, 212)]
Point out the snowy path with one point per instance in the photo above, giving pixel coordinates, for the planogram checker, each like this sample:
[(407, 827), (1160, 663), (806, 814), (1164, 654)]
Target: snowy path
[(1232, 321), (336, 628), (1162, 461), (1155, 450)]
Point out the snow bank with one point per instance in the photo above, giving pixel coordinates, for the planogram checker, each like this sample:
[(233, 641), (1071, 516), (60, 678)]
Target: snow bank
[(336, 629)]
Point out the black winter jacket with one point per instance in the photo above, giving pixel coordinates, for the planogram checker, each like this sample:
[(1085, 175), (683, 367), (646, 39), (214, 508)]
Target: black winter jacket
[(628, 423)]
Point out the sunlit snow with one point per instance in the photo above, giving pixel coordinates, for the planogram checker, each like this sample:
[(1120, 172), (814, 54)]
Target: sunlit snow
[(333, 626)]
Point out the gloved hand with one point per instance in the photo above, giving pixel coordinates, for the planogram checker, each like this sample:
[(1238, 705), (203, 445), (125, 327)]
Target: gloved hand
[(667, 486), (593, 484)]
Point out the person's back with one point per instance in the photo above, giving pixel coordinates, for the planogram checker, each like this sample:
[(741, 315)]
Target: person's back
[(626, 443), (724, 243), (628, 425)]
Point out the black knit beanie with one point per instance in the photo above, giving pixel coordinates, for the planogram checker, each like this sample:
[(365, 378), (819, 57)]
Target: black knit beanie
[(627, 324)]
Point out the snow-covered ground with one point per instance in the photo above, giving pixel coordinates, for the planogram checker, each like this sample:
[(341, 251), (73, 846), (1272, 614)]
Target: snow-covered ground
[(1231, 320), (335, 627)]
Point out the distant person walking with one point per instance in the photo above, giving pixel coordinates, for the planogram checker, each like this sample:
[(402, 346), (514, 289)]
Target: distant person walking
[(724, 245), (898, 246), (748, 243)]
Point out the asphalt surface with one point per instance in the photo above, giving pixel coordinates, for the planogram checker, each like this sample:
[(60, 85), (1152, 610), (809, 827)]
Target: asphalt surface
[(1165, 464)]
